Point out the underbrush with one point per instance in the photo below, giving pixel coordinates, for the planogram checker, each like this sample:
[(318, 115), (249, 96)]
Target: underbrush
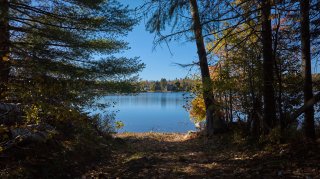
[(240, 135), (76, 145)]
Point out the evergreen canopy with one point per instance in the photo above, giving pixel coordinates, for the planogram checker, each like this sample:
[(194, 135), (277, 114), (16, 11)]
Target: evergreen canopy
[(60, 51)]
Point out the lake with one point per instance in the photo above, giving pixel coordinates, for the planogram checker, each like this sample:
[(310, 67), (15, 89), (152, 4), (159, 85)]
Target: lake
[(158, 112)]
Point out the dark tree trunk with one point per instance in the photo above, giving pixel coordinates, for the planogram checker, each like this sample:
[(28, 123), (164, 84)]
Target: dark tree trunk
[(278, 71), (282, 117), (269, 111), (230, 106), (307, 105), (306, 65), (4, 46), (256, 121), (213, 123)]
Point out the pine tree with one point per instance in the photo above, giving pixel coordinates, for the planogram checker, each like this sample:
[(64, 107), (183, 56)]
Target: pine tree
[(190, 25), (59, 53)]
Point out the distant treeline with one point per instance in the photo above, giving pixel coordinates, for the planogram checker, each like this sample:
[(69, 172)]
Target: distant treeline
[(166, 85)]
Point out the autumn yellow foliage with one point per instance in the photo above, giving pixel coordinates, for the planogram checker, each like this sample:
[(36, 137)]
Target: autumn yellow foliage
[(197, 111)]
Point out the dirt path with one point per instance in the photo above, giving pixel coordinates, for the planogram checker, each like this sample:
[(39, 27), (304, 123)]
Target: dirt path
[(158, 155)]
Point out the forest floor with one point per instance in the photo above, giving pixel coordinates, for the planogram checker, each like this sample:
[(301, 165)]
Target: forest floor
[(173, 155)]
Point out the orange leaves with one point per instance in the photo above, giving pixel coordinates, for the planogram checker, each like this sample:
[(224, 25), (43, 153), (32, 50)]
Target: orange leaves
[(6, 57)]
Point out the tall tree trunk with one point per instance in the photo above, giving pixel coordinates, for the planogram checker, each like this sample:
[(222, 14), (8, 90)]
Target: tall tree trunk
[(306, 64), (256, 121), (229, 102), (269, 112), (278, 71), (212, 120), (4, 45), (230, 106)]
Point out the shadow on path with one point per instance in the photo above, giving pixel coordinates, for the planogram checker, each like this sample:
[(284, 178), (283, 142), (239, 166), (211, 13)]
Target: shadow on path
[(158, 155)]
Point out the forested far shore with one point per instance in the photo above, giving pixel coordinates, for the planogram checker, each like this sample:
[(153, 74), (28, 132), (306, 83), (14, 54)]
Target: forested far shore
[(164, 85)]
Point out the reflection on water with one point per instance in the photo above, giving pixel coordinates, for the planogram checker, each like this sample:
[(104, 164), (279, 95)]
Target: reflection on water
[(150, 99), (162, 112)]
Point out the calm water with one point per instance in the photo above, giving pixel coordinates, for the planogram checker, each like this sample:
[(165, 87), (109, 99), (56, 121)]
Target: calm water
[(161, 112)]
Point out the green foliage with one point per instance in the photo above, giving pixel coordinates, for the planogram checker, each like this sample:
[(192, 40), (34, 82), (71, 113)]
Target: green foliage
[(165, 13), (163, 84), (153, 87), (274, 137), (61, 56), (77, 145), (103, 123), (61, 61), (167, 85), (32, 114), (239, 138), (119, 125), (157, 86)]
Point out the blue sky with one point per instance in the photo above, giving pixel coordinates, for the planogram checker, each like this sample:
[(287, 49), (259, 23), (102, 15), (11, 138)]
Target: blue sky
[(160, 63)]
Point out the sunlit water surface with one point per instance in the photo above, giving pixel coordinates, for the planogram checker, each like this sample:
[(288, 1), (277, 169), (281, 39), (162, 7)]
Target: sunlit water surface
[(159, 112)]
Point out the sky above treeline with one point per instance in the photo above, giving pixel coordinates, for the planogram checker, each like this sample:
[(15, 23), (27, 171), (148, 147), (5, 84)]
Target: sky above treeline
[(160, 62)]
